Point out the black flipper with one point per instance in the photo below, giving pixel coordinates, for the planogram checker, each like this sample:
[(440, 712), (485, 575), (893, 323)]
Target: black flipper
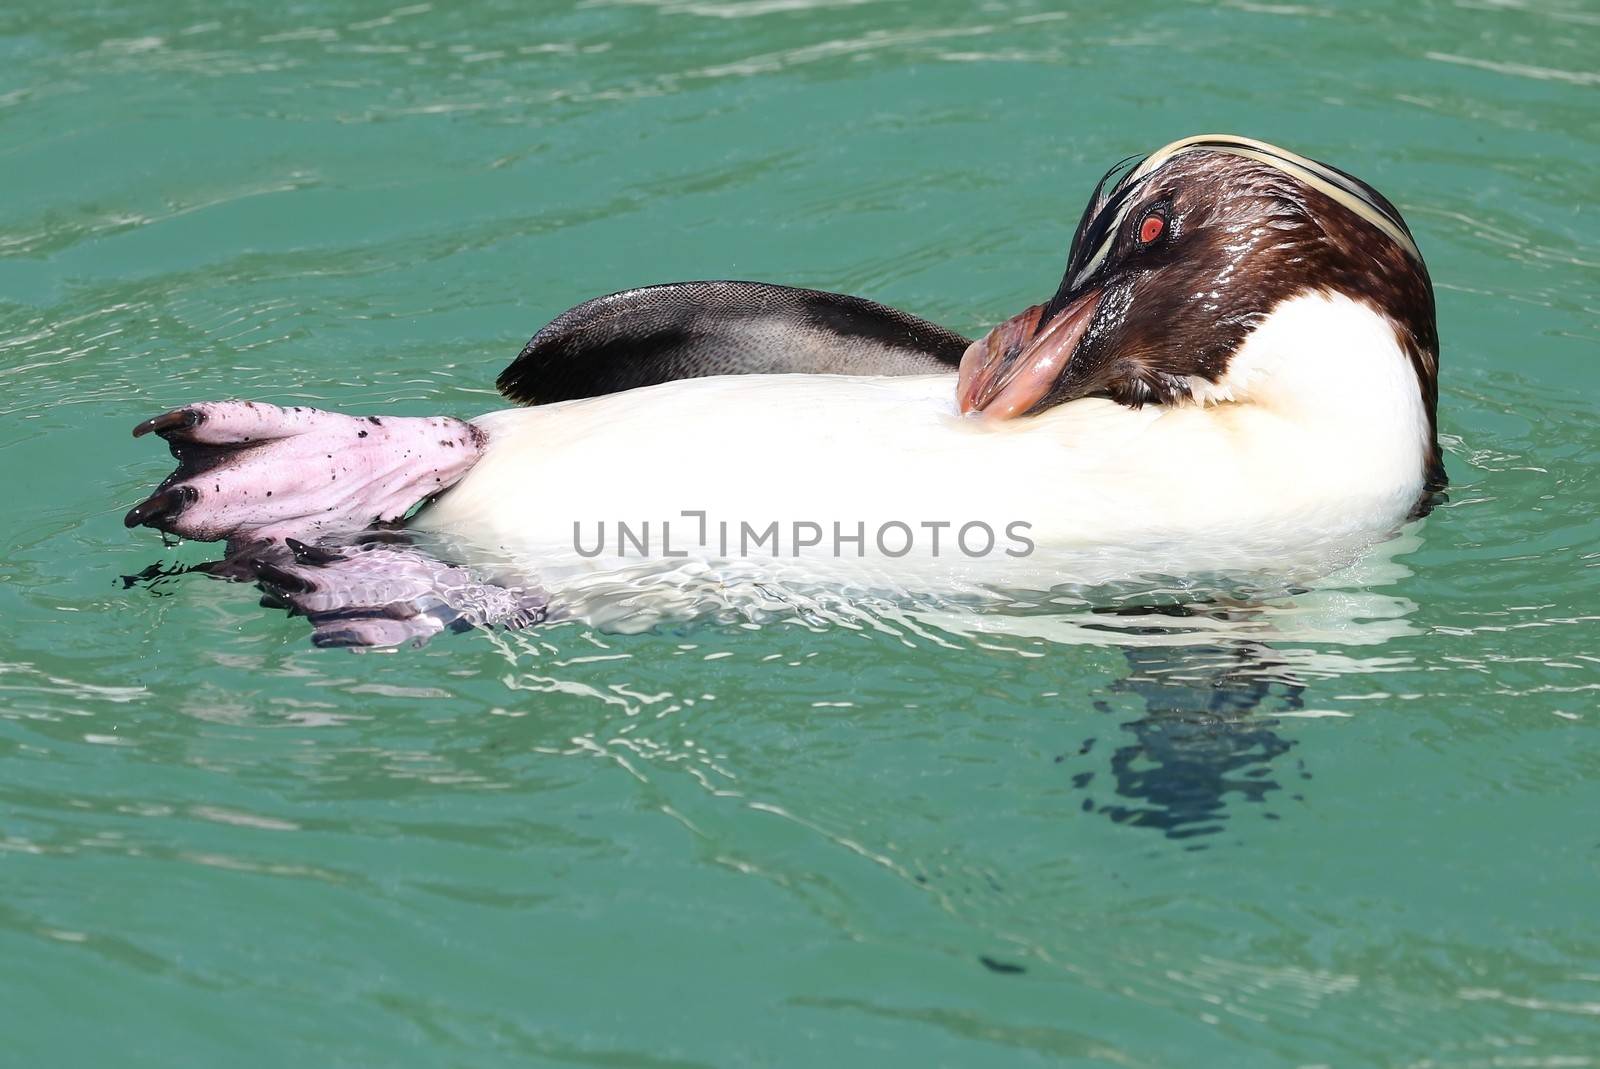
[(687, 330)]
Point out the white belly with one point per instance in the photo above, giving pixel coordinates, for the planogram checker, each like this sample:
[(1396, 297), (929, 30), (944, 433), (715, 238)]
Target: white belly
[(1088, 493)]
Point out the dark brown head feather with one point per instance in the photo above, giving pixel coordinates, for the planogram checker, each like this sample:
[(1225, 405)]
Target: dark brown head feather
[(1240, 237)]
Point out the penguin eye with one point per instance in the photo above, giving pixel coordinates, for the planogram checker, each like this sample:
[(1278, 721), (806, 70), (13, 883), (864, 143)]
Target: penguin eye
[(1153, 226)]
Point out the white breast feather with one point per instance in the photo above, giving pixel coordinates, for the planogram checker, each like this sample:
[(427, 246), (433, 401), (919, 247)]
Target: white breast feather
[(1313, 443)]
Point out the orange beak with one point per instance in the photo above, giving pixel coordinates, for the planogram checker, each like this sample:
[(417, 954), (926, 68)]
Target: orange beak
[(1007, 372)]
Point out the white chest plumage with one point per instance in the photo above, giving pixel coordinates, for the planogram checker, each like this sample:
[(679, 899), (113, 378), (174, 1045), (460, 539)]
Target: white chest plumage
[(1312, 443)]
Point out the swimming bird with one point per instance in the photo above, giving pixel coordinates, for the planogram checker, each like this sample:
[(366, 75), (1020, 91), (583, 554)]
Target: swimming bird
[(1236, 374)]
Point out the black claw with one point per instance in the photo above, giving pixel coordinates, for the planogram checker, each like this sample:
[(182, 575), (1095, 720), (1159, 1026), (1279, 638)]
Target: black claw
[(285, 581), (160, 507), (179, 419), (312, 555)]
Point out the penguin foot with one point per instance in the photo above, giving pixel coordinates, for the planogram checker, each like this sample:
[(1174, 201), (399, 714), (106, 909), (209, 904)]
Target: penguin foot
[(376, 594), (251, 472)]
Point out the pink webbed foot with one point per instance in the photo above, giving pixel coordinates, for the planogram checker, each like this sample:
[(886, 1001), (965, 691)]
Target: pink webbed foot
[(252, 472), (382, 594)]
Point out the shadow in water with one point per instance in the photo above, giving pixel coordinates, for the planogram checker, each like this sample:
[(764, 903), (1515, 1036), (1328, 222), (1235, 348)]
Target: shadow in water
[(1206, 739)]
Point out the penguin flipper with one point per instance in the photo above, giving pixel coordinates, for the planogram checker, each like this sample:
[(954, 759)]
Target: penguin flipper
[(683, 330)]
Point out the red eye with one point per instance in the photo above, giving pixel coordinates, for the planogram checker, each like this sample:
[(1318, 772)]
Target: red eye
[(1151, 228)]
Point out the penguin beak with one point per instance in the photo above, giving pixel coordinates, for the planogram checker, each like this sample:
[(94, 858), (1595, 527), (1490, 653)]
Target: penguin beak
[(1010, 370)]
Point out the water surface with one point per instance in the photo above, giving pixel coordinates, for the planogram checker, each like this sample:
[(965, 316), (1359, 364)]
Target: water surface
[(1350, 827)]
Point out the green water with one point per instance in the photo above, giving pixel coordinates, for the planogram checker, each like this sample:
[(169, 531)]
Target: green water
[(1358, 827)]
